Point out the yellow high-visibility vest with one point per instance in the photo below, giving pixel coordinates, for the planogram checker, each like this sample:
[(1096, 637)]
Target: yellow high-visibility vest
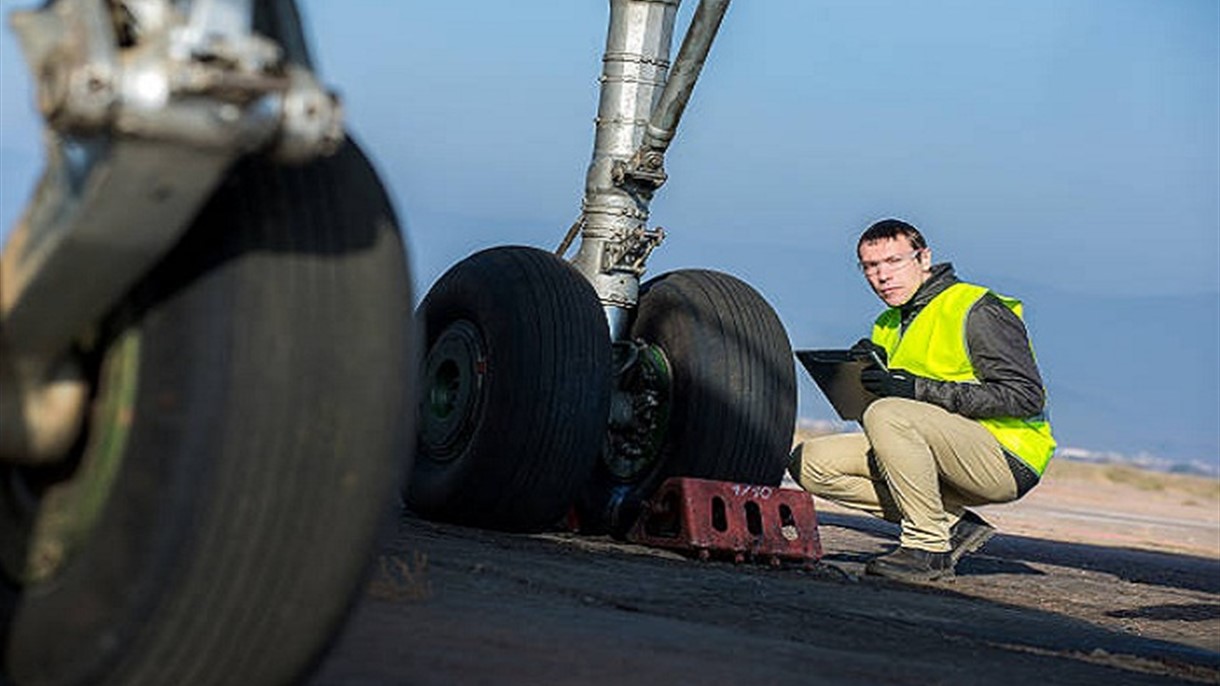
[(934, 346)]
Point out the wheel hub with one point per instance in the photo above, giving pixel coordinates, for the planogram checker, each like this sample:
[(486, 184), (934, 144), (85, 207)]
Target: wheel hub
[(48, 514), (639, 416), (451, 400)]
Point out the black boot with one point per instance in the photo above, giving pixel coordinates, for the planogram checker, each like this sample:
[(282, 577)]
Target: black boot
[(968, 535), (911, 564)]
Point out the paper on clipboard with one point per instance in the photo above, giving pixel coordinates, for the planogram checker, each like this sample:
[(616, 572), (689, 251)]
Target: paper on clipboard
[(837, 373)]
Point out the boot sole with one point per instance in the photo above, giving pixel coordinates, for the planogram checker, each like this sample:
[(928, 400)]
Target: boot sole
[(913, 577)]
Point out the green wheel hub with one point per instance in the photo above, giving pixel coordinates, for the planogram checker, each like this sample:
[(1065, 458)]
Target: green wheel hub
[(454, 371), (46, 523)]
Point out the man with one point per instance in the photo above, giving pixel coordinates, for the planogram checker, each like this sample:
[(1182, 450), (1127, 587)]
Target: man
[(960, 417)]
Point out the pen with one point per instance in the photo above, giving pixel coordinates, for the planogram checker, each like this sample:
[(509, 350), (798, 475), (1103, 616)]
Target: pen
[(876, 359)]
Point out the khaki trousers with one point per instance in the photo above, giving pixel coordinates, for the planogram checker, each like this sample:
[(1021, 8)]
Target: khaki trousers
[(916, 464)]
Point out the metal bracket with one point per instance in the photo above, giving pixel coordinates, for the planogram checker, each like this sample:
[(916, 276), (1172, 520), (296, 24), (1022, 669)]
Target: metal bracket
[(645, 170), (202, 80), (630, 252)]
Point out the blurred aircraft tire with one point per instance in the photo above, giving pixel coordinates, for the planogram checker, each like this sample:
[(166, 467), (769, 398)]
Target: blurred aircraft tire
[(262, 428), (732, 400), (514, 391)]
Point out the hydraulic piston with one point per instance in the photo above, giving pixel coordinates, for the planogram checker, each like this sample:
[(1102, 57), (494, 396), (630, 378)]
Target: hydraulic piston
[(642, 99)]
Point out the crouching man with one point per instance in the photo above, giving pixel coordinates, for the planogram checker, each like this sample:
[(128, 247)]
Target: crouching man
[(960, 417)]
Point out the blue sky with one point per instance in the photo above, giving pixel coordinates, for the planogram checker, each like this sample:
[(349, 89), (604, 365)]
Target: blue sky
[(1079, 137), (1046, 147)]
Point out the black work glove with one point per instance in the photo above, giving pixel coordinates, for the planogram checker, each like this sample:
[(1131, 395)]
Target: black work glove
[(867, 351), (897, 383)]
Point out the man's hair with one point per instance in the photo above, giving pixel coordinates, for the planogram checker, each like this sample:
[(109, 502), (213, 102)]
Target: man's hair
[(891, 228)]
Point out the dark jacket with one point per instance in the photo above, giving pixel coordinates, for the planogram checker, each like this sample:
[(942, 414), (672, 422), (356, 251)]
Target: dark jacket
[(998, 345)]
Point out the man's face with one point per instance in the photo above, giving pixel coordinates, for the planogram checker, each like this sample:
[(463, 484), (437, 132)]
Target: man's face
[(894, 268)]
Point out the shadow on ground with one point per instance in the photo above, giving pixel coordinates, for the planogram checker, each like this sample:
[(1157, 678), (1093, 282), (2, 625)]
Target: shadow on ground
[(1009, 554), (562, 608)]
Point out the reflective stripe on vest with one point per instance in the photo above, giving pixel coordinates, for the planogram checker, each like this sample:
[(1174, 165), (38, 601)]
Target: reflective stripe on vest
[(934, 346)]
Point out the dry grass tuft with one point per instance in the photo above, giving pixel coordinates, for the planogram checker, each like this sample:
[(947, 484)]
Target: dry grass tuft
[(398, 579)]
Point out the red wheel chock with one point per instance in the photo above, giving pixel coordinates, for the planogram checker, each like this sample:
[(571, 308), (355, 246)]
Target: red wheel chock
[(741, 520)]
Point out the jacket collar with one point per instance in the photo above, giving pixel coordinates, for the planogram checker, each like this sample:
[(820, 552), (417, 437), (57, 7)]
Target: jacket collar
[(942, 277)]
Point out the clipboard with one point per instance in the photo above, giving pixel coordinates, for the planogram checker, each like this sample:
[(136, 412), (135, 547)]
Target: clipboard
[(837, 373)]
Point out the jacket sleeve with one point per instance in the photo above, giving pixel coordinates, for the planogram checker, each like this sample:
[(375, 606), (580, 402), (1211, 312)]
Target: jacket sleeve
[(1009, 384)]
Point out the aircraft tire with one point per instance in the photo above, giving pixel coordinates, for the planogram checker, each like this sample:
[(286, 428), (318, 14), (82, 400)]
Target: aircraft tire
[(514, 391), (732, 397), (253, 400)]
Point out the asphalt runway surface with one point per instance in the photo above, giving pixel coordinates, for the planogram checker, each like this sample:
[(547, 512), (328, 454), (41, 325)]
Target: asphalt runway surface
[(452, 605)]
